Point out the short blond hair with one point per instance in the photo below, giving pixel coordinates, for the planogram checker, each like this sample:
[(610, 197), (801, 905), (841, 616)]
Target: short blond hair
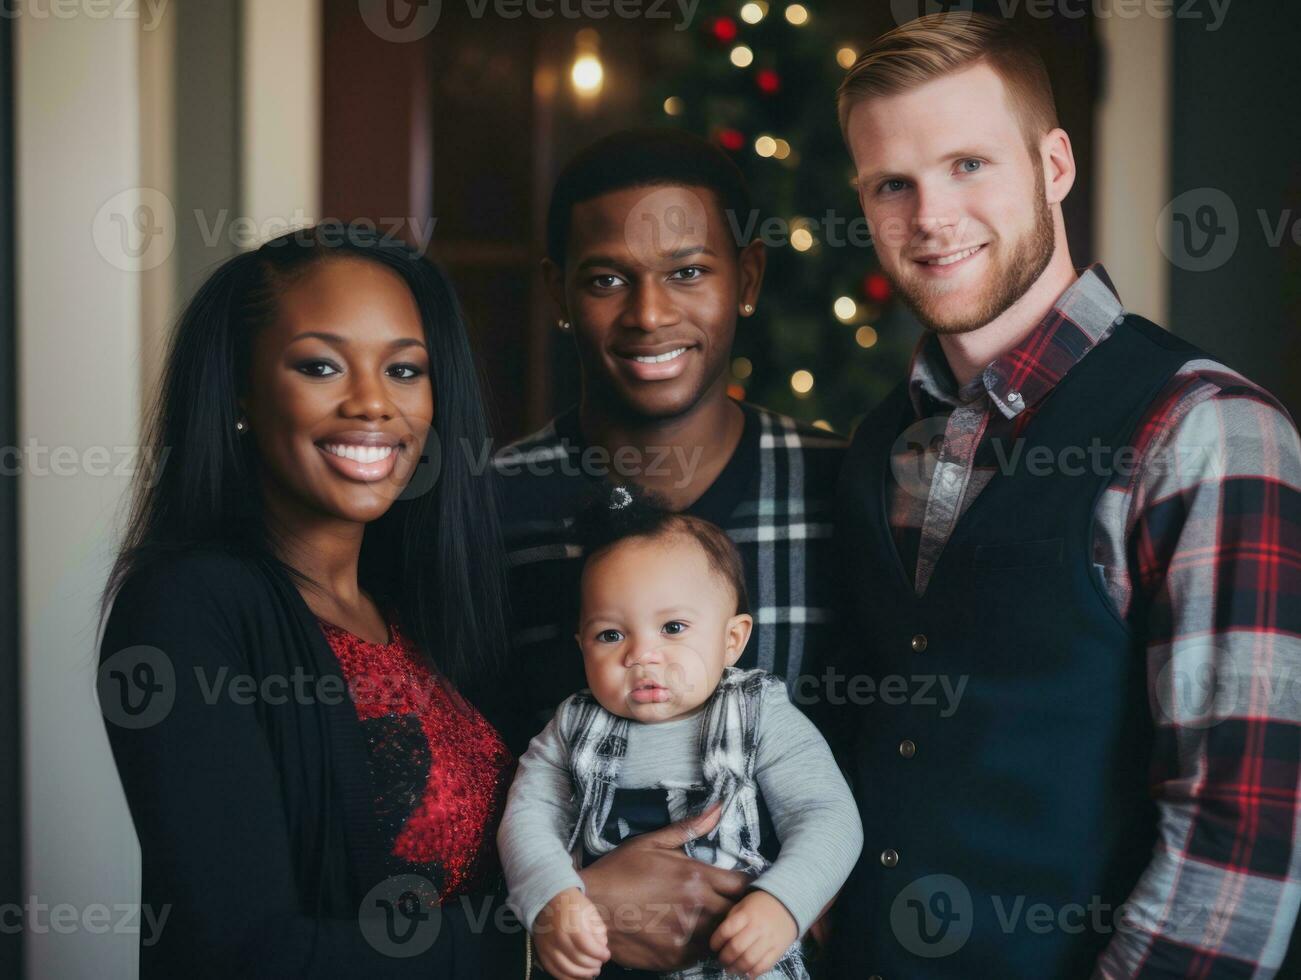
[(939, 44)]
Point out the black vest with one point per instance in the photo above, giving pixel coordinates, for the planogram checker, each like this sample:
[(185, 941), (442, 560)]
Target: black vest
[(1001, 749)]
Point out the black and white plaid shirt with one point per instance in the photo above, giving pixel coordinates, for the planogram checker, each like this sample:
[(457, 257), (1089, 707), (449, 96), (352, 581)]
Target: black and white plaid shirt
[(773, 498)]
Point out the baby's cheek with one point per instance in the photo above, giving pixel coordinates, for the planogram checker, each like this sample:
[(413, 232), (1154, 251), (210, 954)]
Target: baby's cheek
[(689, 674), (605, 682)]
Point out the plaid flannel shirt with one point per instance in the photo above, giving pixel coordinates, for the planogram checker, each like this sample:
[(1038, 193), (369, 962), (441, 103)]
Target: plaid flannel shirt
[(1204, 533), (773, 498)]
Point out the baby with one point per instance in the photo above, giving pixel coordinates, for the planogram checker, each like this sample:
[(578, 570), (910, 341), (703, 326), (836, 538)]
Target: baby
[(666, 728)]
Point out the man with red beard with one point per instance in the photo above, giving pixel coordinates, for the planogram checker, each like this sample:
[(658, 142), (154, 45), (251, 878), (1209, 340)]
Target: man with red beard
[(1090, 529)]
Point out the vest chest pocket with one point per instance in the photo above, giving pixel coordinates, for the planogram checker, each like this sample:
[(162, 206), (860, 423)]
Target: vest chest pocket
[(1020, 554)]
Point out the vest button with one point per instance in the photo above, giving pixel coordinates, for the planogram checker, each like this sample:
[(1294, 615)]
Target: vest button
[(907, 748), (919, 643), (889, 857)]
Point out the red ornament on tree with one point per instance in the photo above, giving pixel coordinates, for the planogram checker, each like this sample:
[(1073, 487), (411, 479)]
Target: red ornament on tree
[(876, 287), (723, 29), (730, 139), (767, 80)]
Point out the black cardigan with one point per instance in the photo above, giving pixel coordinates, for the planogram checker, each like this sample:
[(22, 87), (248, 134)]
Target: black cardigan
[(255, 818)]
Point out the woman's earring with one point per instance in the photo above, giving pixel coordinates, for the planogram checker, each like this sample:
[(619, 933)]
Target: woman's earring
[(241, 426), (563, 324), (748, 308)]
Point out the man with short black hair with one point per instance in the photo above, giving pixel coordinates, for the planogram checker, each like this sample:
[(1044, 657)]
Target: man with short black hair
[(649, 279)]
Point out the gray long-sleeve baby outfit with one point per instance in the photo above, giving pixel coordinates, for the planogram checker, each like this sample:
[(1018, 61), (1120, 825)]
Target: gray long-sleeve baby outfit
[(804, 800)]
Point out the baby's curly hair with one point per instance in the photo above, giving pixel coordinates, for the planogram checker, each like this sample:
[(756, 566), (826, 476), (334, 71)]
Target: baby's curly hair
[(628, 511)]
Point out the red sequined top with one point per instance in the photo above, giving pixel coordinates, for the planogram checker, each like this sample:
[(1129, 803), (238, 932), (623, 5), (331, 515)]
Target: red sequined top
[(440, 769)]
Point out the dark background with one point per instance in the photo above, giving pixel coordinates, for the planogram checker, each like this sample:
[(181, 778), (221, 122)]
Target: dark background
[(487, 103), (492, 108)]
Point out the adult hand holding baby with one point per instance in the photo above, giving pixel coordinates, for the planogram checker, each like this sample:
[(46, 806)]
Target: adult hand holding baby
[(679, 901)]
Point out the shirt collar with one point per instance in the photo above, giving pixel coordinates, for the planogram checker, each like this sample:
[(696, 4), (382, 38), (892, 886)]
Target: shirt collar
[(1083, 316)]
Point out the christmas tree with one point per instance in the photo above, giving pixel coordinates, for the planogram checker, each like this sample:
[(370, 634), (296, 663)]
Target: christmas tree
[(829, 338)]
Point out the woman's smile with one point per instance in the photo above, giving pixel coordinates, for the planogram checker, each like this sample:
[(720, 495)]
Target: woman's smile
[(364, 457)]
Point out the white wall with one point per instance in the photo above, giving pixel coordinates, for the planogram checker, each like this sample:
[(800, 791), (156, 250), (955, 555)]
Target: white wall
[(96, 138), (158, 299), (281, 167), (1132, 154), (78, 148)]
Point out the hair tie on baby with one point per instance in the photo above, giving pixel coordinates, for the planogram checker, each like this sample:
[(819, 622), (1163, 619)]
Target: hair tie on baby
[(620, 497)]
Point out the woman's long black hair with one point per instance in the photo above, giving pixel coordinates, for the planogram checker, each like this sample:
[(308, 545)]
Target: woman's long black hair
[(437, 556)]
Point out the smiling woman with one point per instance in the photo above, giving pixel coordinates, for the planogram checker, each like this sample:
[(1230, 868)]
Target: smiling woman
[(298, 540), (339, 400)]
